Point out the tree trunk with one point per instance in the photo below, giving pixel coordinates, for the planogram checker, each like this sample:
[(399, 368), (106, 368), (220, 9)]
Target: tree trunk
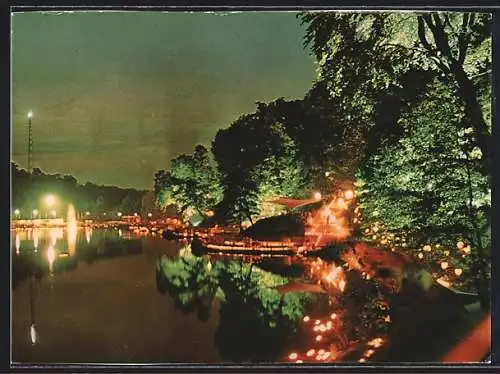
[(474, 113)]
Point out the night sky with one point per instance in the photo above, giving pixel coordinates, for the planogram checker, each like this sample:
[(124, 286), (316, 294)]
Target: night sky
[(116, 95)]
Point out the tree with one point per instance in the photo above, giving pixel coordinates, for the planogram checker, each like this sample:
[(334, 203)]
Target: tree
[(430, 187), (191, 184), (361, 53)]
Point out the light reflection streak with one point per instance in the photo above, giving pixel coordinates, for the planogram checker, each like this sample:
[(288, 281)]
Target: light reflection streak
[(33, 334), (18, 243), (51, 256), (35, 238), (88, 234)]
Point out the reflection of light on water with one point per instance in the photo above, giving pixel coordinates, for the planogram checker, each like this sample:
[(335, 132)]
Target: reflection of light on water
[(55, 233), (88, 234), (72, 228), (35, 237), (51, 256), (18, 242), (33, 334)]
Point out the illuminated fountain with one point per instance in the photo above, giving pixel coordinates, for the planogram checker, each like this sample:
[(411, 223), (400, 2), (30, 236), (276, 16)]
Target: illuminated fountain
[(71, 229)]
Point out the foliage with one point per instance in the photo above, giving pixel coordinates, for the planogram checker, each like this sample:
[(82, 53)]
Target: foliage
[(28, 191), (191, 184), (362, 54), (429, 185), (257, 162)]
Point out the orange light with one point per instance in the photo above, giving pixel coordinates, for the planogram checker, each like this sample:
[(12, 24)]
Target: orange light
[(319, 338), (460, 244), (317, 322), (293, 356), (310, 352), (443, 282), (299, 361), (333, 316), (458, 272), (349, 194), (362, 360), (444, 265), (306, 319)]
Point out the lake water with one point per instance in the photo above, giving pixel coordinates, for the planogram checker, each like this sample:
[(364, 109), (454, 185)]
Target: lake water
[(101, 303), (107, 296)]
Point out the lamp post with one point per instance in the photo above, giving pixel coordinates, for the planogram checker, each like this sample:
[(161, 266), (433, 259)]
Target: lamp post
[(30, 142)]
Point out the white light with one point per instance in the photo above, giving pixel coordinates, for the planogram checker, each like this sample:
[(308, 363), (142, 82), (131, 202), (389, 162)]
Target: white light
[(17, 212), (317, 195), (119, 214), (33, 334), (35, 212), (30, 114), (50, 200)]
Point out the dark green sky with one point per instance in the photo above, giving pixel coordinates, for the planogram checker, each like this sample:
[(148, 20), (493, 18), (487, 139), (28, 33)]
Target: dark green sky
[(116, 95)]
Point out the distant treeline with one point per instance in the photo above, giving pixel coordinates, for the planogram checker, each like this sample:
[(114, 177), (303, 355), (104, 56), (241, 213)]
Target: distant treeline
[(28, 194)]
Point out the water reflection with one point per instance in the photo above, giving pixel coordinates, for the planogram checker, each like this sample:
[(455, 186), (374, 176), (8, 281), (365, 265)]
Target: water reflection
[(61, 250), (255, 318), (88, 234)]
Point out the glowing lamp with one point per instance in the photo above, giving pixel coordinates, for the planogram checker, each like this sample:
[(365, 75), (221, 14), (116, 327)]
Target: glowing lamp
[(306, 319), (50, 200), (427, 248), (420, 255), (458, 272), (444, 265), (460, 244), (317, 195), (30, 114), (349, 194), (17, 212), (293, 356)]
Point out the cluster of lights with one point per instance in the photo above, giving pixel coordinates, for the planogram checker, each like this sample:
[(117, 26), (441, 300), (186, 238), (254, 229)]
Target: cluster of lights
[(321, 330), (371, 345)]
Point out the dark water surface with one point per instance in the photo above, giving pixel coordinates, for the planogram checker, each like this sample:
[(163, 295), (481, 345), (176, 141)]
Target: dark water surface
[(111, 297), (101, 303)]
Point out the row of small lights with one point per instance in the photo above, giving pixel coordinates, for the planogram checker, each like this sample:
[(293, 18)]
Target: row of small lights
[(390, 238)]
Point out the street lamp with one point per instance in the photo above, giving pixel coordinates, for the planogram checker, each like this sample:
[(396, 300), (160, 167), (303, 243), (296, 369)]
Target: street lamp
[(119, 214), (50, 200), (35, 213), (17, 212), (150, 215)]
